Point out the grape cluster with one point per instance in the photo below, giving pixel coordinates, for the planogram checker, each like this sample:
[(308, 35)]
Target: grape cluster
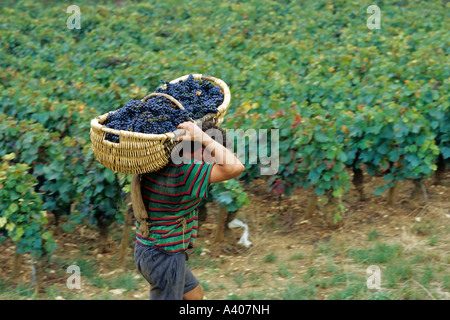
[(198, 96), (159, 115)]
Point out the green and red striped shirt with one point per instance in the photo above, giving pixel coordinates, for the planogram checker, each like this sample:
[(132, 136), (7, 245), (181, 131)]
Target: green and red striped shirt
[(171, 197)]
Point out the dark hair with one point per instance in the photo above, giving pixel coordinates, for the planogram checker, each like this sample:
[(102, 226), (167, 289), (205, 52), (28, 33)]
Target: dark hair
[(214, 131), (210, 128)]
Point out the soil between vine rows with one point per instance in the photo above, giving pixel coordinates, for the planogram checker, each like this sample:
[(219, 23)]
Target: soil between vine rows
[(285, 248)]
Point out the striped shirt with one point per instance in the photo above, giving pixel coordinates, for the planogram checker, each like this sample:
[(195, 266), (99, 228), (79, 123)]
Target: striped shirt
[(171, 197)]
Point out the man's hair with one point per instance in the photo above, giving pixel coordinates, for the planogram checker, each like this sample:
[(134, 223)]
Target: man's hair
[(216, 132), (210, 128)]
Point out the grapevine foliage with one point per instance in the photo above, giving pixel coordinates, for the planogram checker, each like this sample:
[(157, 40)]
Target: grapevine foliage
[(21, 213), (381, 95), (228, 194)]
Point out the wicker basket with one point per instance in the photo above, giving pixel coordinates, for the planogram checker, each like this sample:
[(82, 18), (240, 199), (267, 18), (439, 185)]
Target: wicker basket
[(138, 153)]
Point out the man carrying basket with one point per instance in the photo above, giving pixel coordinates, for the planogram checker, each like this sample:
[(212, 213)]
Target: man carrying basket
[(171, 196)]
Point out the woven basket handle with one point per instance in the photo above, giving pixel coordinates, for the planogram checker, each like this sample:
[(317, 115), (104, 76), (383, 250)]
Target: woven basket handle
[(154, 94), (179, 105)]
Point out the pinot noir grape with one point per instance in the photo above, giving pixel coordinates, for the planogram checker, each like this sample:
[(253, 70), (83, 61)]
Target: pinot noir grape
[(159, 115)]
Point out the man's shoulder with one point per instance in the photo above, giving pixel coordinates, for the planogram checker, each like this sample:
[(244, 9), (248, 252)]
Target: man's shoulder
[(177, 172), (168, 168)]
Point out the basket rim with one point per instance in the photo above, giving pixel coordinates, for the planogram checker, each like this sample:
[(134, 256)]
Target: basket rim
[(97, 122), (146, 136)]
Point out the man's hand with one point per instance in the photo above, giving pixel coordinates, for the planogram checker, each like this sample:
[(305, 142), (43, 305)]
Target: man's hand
[(193, 132), (226, 166)]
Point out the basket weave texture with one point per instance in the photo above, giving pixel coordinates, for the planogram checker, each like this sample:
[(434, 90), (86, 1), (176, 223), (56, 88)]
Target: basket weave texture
[(139, 153)]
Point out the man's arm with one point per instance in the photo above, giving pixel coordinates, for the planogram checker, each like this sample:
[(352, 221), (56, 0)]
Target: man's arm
[(227, 166)]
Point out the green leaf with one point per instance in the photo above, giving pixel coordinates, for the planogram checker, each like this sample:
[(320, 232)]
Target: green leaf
[(13, 207), (338, 192), (225, 198), (9, 157), (321, 137), (331, 153), (10, 227), (342, 156), (19, 232), (3, 221), (109, 176), (445, 152), (319, 191), (37, 244), (313, 176), (46, 235)]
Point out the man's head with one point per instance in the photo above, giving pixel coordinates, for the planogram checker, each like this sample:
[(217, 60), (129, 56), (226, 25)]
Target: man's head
[(195, 150)]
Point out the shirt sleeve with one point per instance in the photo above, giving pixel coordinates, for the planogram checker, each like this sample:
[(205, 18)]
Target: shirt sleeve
[(201, 180)]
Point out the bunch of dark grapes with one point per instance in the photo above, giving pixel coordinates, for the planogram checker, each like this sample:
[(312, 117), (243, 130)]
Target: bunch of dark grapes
[(199, 97), (159, 115)]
